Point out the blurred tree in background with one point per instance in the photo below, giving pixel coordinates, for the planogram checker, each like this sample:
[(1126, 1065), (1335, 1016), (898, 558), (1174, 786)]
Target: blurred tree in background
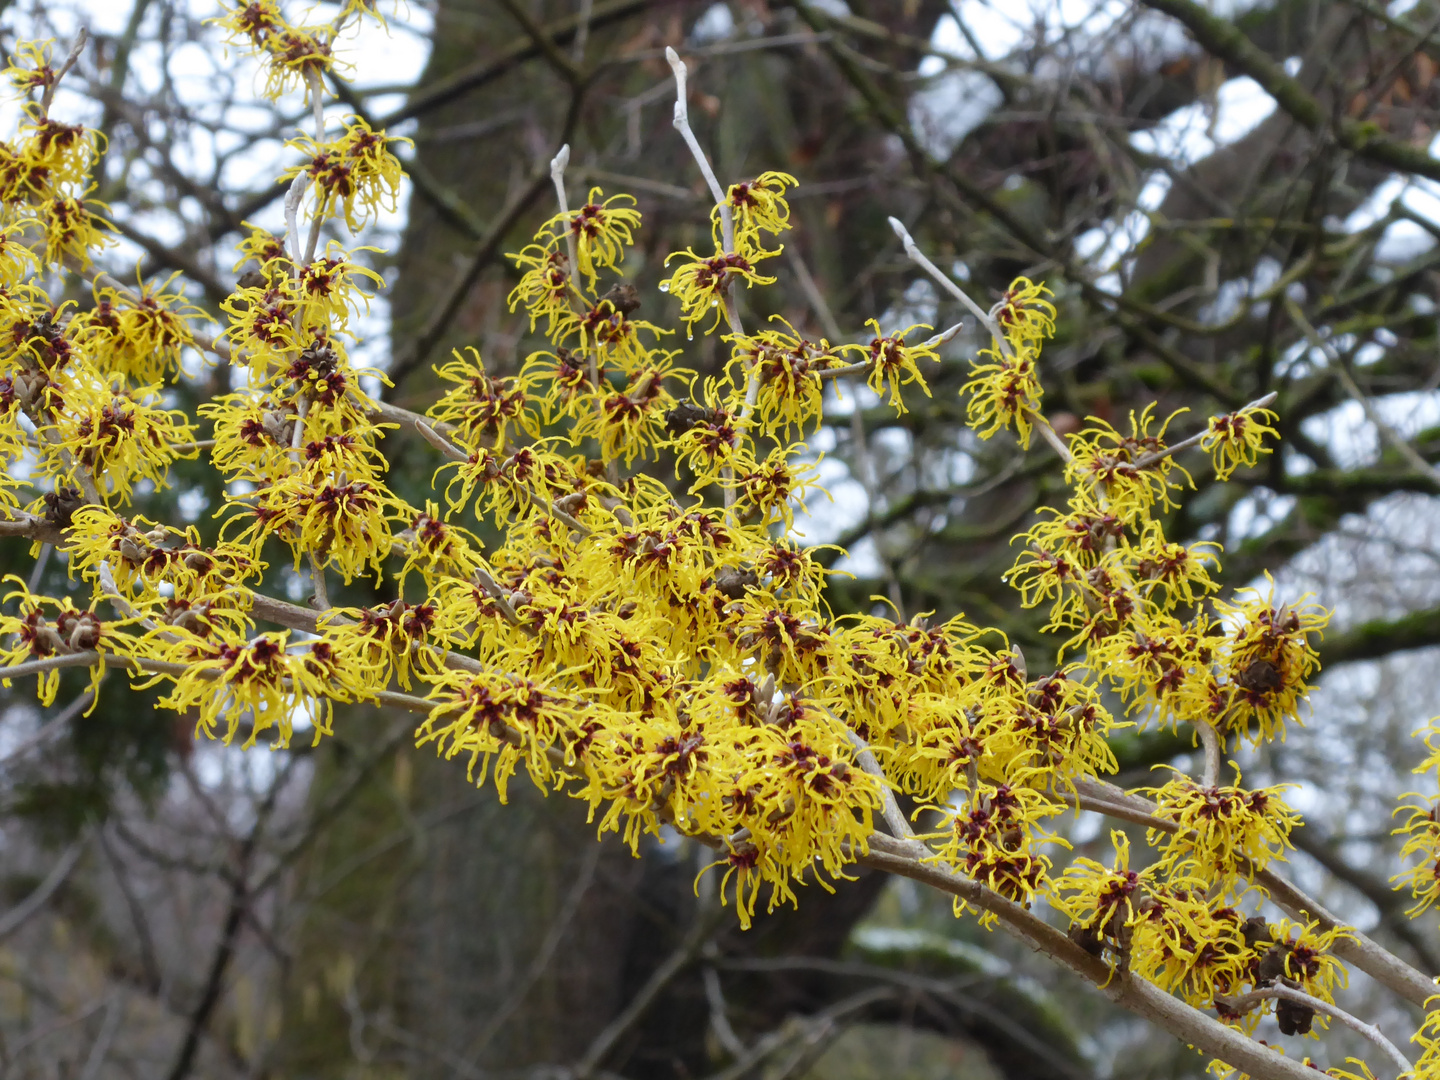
[(1226, 199)]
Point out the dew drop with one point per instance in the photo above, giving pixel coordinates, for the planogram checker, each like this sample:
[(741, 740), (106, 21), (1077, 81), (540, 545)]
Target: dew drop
[(664, 286), (689, 336)]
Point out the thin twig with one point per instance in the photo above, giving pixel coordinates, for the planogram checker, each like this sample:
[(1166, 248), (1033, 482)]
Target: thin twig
[(109, 1028), (948, 284), (890, 809), (557, 177), (1342, 372), (1140, 996), (719, 1014), (727, 222), (1194, 440), (454, 453), (321, 598), (1245, 1002), (1214, 752), (681, 122), (543, 955), (987, 319), (293, 197), (1049, 434), (582, 32), (239, 902), (312, 76), (49, 728), (22, 912), (639, 1005), (75, 50)]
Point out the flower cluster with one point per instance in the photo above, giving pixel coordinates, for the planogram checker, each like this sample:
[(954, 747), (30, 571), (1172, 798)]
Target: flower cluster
[(652, 641)]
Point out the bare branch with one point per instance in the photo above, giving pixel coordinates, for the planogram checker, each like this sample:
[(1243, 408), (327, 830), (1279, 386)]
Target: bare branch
[(1238, 1006)]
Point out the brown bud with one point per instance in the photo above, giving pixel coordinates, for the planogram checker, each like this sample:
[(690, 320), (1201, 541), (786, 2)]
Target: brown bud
[(1256, 931), (277, 426), (1261, 677), (48, 641), (1272, 965), (624, 297), (187, 618), (60, 506), (685, 416), (733, 582), (1293, 1017), (86, 634), (1087, 939)]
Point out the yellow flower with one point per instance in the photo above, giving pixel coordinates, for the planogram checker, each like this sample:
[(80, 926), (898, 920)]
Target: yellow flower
[(504, 719), (1422, 837), (1180, 571), (1266, 661), (1191, 944), (712, 440), (252, 21), (438, 549), (357, 167), (755, 206), (1103, 903), (1157, 662), (1428, 1039), (139, 338), (608, 333), (1237, 439), (482, 406), (1004, 391), (602, 231), (892, 362), (17, 260), (1024, 317), (1060, 551), (788, 368), (1224, 834), (263, 248), (30, 66), (72, 231), (702, 284), (120, 437), (377, 644), (994, 836), (1306, 956), (231, 683), (293, 54), (560, 381), (45, 628), (142, 555), (329, 290), (62, 153), (768, 490), (1125, 473), (544, 289), (630, 422)]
